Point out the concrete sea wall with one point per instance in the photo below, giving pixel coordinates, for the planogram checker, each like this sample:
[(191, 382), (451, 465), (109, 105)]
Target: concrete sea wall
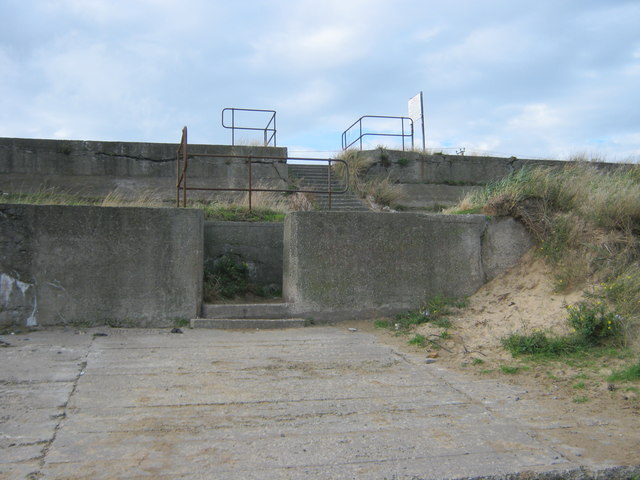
[(95, 169), (355, 265), (94, 265)]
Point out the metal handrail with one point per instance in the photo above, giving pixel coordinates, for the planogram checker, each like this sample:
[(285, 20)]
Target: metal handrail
[(183, 156), (358, 122), (267, 138)]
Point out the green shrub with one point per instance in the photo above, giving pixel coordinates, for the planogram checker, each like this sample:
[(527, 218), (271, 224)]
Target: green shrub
[(225, 277), (592, 321), (539, 343)]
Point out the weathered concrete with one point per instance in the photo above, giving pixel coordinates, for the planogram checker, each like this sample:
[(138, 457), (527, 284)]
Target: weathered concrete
[(503, 243), (246, 310), (95, 169), (436, 181), (415, 167), (356, 265), (244, 323), (97, 265), (259, 244), (296, 404), (431, 196)]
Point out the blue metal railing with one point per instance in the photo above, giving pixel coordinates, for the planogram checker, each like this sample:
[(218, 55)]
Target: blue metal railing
[(269, 132), (403, 129)]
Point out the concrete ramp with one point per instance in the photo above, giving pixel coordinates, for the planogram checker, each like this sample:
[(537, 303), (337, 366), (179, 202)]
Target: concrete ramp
[(316, 403)]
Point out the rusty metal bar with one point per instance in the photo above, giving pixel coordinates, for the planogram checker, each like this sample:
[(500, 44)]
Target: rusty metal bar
[(182, 162)]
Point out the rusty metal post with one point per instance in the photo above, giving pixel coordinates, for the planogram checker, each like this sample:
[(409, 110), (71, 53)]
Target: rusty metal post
[(184, 171), (329, 177), (250, 181)]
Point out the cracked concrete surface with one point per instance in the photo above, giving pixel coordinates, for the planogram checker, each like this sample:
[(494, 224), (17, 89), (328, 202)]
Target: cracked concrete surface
[(300, 403)]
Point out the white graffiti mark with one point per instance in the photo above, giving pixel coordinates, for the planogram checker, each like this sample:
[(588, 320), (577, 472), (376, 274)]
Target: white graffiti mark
[(9, 288)]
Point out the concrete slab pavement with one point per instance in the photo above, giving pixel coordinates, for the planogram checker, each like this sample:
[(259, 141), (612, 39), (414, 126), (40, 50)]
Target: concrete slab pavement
[(320, 402)]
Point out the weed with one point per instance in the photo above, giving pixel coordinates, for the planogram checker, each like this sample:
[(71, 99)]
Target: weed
[(182, 322), (406, 320), (403, 162), (509, 370), (381, 190), (384, 158), (592, 321), (418, 339), (629, 374), (357, 166), (442, 322), (225, 277), (477, 361), (539, 343), (581, 399), (382, 323), (444, 335), (438, 306), (580, 386)]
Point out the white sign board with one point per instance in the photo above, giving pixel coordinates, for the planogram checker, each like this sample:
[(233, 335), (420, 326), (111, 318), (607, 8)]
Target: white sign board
[(415, 107)]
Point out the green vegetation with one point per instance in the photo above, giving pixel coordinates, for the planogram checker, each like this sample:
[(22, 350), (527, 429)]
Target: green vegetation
[(239, 213), (227, 277), (382, 190), (586, 220), (382, 323), (629, 374), (266, 206), (418, 339), (510, 370)]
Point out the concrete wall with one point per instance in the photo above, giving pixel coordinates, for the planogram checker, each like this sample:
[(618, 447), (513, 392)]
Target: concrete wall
[(94, 265), (355, 265), (435, 181), (260, 244), (99, 168)]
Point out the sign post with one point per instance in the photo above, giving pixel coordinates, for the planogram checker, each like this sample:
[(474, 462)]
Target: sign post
[(416, 112)]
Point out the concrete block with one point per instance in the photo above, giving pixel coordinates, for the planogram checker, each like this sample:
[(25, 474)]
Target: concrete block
[(98, 265), (345, 265), (505, 240)]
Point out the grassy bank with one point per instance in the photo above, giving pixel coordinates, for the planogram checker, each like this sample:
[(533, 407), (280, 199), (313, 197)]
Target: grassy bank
[(586, 220)]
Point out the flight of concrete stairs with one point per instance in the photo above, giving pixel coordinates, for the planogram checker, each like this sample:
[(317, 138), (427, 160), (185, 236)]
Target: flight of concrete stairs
[(315, 178)]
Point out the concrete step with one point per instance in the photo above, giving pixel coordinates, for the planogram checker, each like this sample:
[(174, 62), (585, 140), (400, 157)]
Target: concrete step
[(245, 310), (247, 323), (315, 178)]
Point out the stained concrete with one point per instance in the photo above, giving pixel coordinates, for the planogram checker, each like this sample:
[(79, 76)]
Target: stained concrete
[(99, 265), (349, 265), (320, 402)]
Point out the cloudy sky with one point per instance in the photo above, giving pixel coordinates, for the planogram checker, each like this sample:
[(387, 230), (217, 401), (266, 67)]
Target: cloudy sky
[(548, 78)]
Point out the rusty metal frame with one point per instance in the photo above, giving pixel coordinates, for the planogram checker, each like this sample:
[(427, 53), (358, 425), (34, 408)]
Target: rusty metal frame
[(358, 122), (182, 163)]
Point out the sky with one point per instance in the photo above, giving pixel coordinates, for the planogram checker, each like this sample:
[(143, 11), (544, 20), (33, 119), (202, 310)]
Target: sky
[(543, 79)]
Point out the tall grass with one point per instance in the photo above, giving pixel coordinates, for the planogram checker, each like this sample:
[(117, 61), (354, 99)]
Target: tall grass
[(381, 191), (586, 220)]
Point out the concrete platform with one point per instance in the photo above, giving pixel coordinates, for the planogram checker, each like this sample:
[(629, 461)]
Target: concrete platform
[(319, 402)]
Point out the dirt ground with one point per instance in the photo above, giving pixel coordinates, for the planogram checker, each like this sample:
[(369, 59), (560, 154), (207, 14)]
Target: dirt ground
[(594, 418)]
